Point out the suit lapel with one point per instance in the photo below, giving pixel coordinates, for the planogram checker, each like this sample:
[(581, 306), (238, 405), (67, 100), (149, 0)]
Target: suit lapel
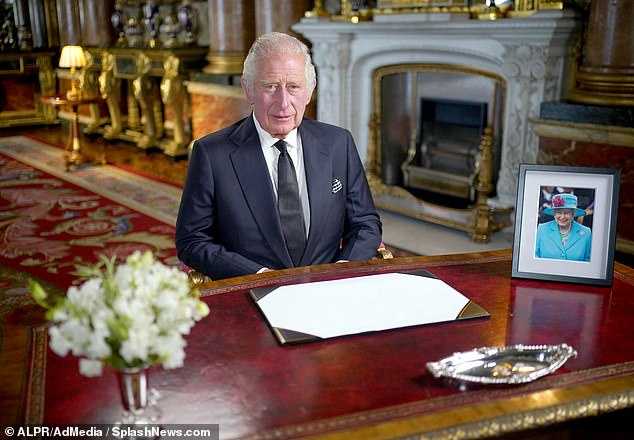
[(318, 168), (252, 172)]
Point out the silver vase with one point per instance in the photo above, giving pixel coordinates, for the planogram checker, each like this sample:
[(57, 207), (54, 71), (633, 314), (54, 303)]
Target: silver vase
[(139, 401)]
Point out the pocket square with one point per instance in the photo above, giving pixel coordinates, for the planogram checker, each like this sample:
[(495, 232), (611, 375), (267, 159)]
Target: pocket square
[(336, 186)]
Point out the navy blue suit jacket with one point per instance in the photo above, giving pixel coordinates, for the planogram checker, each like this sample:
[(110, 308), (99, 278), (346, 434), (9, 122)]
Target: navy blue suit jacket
[(228, 223)]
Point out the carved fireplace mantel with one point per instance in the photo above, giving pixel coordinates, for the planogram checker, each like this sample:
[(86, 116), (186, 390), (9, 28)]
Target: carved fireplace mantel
[(530, 54)]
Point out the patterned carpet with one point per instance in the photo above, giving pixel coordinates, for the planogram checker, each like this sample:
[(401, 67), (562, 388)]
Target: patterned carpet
[(51, 219)]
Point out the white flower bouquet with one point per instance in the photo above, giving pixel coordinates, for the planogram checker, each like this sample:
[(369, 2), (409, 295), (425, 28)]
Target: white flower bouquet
[(126, 316)]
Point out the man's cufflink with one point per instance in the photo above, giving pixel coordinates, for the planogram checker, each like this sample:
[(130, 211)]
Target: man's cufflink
[(336, 186)]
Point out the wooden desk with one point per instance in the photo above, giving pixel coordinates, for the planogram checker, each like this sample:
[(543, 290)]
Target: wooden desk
[(373, 385)]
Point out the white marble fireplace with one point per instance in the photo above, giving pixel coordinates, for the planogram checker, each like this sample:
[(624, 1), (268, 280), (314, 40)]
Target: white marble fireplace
[(531, 55)]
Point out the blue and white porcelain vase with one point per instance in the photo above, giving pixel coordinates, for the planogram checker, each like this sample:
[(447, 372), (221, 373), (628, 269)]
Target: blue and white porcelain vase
[(152, 21), (118, 20), (188, 19)]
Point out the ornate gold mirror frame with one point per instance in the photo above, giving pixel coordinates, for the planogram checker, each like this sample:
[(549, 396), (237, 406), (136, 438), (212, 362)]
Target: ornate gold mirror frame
[(479, 219)]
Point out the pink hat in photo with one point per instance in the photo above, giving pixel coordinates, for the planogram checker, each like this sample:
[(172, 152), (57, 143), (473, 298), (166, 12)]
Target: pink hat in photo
[(565, 201)]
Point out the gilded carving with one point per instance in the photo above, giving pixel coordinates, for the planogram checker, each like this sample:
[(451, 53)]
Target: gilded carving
[(536, 418), (481, 9), (143, 89), (34, 410), (110, 88), (88, 86), (172, 92)]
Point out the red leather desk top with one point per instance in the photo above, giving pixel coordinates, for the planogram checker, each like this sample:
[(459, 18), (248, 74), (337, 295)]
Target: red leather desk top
[(236, 374)]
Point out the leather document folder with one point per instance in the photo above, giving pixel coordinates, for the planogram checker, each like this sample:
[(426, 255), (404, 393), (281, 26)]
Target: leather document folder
[(326, 309)]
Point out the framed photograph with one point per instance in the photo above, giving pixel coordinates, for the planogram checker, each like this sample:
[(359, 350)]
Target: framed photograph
[(565, 223)]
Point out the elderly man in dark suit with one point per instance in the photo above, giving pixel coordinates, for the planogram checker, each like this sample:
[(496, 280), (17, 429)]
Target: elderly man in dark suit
[(275, 190)]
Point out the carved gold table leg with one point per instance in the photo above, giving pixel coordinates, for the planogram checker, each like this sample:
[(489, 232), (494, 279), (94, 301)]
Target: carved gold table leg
[(172, 96), (110, 87), (88, 84), (143, 91), (483, 217), (134, 118), (157, 109)]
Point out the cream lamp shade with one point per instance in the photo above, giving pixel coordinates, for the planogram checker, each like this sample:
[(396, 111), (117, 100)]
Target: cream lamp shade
[(72, 57)]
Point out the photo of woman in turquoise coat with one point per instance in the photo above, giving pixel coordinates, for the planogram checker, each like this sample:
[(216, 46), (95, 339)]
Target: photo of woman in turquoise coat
[(564, 238)]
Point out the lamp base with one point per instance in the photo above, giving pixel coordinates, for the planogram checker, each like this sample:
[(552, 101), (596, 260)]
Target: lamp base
[(73, 95)]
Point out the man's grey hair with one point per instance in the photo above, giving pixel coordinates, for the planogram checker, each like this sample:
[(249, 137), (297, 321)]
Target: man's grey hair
[(275, 43)]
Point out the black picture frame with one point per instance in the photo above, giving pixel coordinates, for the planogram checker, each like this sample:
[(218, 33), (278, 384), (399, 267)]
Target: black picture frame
[(597, 191)]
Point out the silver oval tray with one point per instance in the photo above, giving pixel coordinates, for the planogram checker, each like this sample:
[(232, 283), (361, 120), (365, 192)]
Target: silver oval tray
[(503, 365)]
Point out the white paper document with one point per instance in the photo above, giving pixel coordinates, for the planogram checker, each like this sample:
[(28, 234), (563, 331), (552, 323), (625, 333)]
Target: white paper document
[(327, 309)]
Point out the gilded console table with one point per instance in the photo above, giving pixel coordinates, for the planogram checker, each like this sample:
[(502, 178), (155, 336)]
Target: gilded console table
[(24, 78), (150, 84)]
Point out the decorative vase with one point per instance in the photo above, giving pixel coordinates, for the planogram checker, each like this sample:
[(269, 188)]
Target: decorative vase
[(152, 22), (170, 29), (133, 32), (139, 401), (118, 20), (188, 19)]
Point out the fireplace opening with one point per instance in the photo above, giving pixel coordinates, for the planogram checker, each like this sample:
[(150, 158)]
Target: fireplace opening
[(434, 149), (431, 120), (448, 142), (449, 135)]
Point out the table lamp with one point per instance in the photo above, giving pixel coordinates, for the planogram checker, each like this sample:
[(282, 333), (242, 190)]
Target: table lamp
[(73, 57)]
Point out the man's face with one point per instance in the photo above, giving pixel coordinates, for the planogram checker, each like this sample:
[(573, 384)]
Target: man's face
[(280, 93), (563, 217)]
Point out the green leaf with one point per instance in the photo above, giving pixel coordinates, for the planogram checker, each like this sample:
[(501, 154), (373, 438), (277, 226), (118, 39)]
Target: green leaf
[(39, 294)]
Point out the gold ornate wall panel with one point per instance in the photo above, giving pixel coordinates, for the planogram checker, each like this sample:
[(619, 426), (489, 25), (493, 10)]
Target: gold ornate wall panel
[(479, 9), (24, 78)]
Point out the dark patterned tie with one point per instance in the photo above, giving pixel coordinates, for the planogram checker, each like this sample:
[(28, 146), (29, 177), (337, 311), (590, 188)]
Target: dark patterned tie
[(289, 204)]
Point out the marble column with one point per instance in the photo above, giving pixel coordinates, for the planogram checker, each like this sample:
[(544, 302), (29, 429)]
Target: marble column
[(231, 32), (39, 31), (606, 73), (69, 22), (96, 29), (23, 23), (279, 15)]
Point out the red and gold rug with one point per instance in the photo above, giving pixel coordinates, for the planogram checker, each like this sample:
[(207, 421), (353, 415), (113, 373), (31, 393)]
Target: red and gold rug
[(51, 219)]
